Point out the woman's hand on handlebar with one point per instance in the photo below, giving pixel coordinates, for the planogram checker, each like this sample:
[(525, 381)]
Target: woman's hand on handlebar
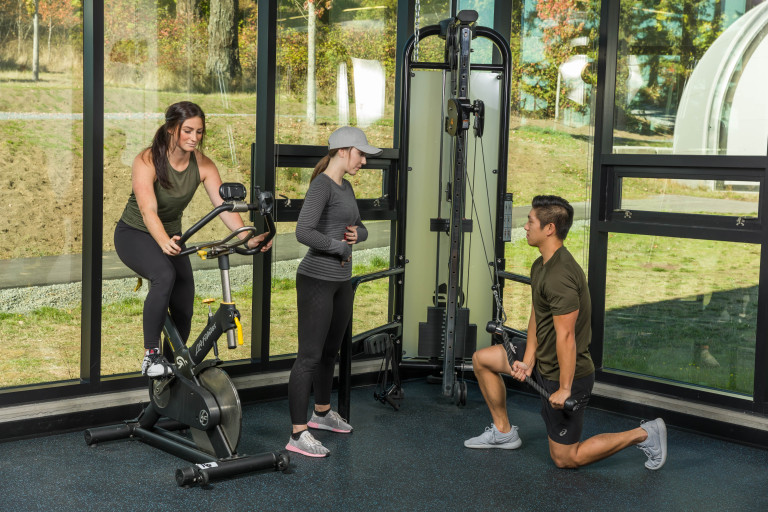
[(170, 247), (256, 240)]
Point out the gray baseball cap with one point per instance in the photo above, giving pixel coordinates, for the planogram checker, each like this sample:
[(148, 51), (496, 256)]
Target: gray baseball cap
[(351, 137)]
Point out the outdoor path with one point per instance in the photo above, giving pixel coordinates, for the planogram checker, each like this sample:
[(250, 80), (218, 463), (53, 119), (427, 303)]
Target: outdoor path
[(67, 268)]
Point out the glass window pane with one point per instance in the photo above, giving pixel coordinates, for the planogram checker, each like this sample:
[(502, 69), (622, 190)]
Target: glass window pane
[(431, 49), (155, 57), (682, 310), (335, 67), (520, 256), (371, 304), (482, 49), (41, 147), (371, 299), (691, 77), (293, 182), (709, 197), (551, 126)]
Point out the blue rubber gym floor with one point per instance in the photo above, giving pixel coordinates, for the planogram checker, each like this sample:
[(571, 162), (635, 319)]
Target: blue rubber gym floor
[(413, 459)]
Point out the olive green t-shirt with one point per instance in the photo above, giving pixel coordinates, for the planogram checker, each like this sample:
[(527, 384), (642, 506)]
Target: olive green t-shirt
[(560, 287), (170, 201)]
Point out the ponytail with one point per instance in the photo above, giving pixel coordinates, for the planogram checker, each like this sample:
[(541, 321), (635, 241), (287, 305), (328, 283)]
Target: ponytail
[(322, 165), (175, 115), (158, 151)]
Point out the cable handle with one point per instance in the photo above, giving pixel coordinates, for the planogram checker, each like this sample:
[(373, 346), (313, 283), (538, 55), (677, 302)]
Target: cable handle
[(570, 404)]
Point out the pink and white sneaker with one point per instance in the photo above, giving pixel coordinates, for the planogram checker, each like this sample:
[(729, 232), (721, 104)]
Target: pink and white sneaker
[(307, 445)]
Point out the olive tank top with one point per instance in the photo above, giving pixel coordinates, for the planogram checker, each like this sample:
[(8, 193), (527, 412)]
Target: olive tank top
[(170, 201)]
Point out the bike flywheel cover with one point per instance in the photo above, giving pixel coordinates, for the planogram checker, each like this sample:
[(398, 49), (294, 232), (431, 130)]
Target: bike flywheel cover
[(159, 392), (223, 390)]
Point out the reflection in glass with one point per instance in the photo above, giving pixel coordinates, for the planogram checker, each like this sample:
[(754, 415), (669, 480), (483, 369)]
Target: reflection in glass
[(482, 49), (41, 145), (682, 310), (154, 57), (336, 67), (708, 197), (690, 78), (551, 127)]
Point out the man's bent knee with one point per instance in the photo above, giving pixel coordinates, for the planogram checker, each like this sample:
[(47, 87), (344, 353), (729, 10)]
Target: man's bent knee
[(489, 359), (564, 462), (564, 456)]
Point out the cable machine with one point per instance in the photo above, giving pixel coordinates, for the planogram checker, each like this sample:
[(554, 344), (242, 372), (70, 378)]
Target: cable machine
[(454, 147)]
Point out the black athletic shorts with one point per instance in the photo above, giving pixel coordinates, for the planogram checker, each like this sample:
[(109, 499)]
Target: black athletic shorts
[(565, 427)]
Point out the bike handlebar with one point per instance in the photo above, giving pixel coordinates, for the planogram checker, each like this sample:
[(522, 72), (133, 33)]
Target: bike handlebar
[(264, 206)]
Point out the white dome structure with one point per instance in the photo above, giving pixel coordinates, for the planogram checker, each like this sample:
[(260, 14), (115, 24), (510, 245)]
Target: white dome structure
[(724, 106)]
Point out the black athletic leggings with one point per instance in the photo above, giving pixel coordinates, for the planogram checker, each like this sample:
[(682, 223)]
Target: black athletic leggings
[(324, 308), (172, 284)]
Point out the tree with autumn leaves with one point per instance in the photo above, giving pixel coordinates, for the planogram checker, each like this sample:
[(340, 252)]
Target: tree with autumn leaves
[(25, 16), (565, 28), (218, 38), (668, 38)]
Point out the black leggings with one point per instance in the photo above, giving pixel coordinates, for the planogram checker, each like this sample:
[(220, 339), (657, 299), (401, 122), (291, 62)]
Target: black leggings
[(172, 284), (325, 308)]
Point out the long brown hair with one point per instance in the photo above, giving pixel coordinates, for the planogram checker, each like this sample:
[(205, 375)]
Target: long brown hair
[(322, 165), (175, 115)]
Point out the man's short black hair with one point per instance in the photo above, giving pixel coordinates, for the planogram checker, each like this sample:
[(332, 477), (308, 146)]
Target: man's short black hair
[(555, 210)]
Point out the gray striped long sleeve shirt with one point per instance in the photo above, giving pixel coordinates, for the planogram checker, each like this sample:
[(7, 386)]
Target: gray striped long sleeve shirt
[(327, 211)]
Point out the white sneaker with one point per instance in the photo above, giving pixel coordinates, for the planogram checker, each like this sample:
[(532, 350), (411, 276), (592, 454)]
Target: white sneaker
[(155, 365)]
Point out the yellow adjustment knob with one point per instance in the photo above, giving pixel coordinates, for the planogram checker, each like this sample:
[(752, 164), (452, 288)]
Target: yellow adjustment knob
[(239, 331), (209, 301), (202, 254)]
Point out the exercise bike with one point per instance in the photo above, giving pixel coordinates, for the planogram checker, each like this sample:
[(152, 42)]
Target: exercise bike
[(199, 396)]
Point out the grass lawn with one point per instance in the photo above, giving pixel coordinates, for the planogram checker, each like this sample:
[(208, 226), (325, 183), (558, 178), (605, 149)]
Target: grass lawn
[(48, 339), (666, 299)]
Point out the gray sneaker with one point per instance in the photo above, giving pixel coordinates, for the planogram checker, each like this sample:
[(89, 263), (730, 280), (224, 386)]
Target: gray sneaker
[(331, 421), (307, 445), (493, 438), (655, 446)]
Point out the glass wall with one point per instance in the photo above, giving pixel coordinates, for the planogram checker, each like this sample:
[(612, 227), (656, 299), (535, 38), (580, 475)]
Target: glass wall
[(683, 310), (41, 155), (370, 256), (482, 49), (335, 67), (157, 54), (688, 82), (551, 127), (690, 77), (370, 306)]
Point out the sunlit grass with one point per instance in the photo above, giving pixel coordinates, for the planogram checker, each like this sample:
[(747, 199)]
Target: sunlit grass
[(46, 342)]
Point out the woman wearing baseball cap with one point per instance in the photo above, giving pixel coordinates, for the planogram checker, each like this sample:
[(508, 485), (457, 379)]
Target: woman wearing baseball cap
[(329, 224)]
